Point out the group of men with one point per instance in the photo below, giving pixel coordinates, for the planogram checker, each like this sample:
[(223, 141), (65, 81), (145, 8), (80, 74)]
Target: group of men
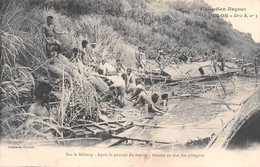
[(112, 83)]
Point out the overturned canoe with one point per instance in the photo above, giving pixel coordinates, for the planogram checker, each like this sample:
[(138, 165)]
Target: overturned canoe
[(197, 71), (244, 130)]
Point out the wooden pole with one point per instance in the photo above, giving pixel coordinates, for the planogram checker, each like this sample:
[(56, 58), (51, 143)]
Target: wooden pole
[(63, 94), (224, 90), (142, 140), (224, 101), (256, 69)]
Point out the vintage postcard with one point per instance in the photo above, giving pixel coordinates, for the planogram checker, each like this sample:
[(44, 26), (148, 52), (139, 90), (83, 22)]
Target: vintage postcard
[(130, 83)]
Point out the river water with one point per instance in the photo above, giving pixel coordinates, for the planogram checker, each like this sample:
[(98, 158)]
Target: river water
[(195, 118)]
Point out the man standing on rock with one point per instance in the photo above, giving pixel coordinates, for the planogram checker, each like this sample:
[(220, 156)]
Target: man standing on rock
[(49, 32)]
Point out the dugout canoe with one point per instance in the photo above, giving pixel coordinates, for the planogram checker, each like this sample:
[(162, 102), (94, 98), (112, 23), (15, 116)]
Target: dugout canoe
[(244, 130), (197, 71)]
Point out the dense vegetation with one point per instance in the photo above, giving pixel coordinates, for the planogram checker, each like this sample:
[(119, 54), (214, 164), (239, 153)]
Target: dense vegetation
[(117, 27), (174, 26)]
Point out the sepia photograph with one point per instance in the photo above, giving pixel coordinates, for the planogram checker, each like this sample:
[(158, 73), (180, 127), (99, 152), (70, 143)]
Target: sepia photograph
[(130, 83)]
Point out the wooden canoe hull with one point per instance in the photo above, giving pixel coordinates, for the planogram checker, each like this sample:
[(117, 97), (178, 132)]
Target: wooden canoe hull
[(244, 130), (166, 79)]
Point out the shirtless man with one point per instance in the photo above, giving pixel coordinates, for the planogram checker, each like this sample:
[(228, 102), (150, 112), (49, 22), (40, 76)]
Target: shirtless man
[(221, 59), (148, 104), (214, 60), (87, 53), (152, 107), (142, 99), (41, 93), (49, 33), (140, 58), (119, 66), (108, 69), (160, 60), (118, 87), (130, 85)]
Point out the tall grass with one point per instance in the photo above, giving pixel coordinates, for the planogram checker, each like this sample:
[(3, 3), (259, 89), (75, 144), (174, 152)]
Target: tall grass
[(22, 51), (20, 38), (170, 21), (81, 7), (109, 44), (23, 63), (117, 27)]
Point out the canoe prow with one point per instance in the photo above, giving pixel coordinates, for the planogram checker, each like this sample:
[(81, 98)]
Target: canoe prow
[(244, 130)]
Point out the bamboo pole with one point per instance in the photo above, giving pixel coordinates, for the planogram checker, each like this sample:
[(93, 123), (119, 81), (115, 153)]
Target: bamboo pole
[(224, 101), (142, 140), (62, 99), (233, 83), (256, 68), (219, 81)]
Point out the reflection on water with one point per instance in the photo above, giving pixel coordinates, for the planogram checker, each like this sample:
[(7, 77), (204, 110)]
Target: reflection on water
[(200, 117)]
